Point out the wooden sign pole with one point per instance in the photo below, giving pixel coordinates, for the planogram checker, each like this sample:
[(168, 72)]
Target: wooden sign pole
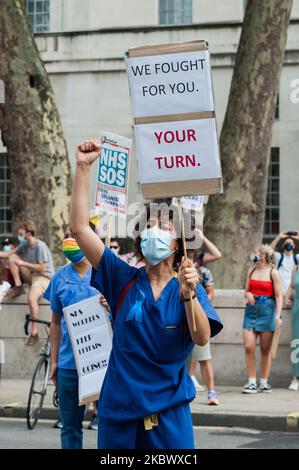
[(108, 232), (181, 215)]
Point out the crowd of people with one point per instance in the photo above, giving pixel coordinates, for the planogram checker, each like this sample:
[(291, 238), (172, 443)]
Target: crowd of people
[(144, 401)]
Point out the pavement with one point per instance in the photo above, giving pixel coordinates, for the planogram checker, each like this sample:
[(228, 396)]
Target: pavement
[(277, 411), (15, 435)]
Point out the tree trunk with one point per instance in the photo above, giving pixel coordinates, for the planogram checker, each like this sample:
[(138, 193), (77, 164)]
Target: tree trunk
[(234, 221), (32, 132)]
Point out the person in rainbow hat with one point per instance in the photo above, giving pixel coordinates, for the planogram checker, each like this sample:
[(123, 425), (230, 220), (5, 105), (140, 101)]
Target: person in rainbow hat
[(71, 284)]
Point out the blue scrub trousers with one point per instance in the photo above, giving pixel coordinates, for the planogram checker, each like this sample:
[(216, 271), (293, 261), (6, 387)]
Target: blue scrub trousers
[(71, 414), (174, 431)]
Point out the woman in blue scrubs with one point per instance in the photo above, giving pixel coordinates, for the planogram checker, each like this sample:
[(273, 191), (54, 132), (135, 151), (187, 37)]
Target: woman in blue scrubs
[(144, 401), (71, 284)]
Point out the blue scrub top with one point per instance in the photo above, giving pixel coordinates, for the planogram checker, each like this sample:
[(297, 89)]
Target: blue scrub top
[(151, 343), (67, 287)]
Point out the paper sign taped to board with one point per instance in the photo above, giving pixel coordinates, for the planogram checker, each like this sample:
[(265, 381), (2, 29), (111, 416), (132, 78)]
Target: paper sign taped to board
[(91, 337), (113, 174), (171, 84), (190, 202), (178, 151), (174, 116)]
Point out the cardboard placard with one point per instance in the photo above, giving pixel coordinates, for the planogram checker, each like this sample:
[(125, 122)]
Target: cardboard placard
[(91, 337), (113, 174), (178, 151), (175, 126)]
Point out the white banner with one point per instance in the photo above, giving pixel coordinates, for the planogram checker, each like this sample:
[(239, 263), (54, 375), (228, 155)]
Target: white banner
[(113, 174), (91, 336), (170, 84), (178, 151)]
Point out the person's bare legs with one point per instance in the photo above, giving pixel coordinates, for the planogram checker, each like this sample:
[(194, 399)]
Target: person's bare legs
[(249, 338), (193, 367), (20, 274), (35, 293), (15, 270), (266, 358), (207, 373)]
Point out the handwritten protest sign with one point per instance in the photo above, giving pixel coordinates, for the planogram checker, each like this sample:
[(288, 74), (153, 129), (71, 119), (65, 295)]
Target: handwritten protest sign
[(175, 126), (113, 174), (91, 337)]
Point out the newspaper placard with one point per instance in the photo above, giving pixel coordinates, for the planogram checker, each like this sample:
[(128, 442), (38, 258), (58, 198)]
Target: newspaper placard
[(113, 174), (91, 337)]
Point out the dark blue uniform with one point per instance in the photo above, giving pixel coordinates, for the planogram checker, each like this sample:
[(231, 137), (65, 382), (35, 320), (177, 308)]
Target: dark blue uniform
[(147, 373)]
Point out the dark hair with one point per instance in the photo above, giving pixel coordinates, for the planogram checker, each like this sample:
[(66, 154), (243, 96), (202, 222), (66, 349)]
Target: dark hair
[(7, 241), (141, 225)]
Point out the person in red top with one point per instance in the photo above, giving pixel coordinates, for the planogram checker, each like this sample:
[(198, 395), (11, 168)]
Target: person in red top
[(263, 293)]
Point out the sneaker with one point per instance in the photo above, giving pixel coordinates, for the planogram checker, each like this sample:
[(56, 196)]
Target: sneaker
[(250, 387), (198, 387), (32, 340), (93, 423), (294, 386), (213, 398), (16, 291), (265, 388), (58, 424)]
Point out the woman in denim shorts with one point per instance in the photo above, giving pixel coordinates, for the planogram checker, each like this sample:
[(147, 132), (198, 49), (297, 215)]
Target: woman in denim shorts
[(263, 293)]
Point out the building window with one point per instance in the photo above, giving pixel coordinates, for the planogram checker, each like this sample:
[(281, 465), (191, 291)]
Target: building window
[(277, 109), (39, 15), (174, 12), (272, 215), (5, 212)]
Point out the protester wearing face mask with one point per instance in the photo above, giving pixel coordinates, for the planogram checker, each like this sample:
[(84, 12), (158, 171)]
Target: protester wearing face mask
[(144, 400), (31, 262), (263, 294), (7, 247), (71, 284), (288, 259), (114, 246)]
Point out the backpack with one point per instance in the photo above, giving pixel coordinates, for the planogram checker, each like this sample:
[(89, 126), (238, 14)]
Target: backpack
[(281, 260)]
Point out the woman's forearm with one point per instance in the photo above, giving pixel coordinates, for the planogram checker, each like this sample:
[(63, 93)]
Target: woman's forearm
[(278, 300), (55, 335), (80, 196), (211, 249), (203, 331)]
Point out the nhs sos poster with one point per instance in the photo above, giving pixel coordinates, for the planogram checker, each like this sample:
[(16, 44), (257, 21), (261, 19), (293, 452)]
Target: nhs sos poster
[(113, 174)]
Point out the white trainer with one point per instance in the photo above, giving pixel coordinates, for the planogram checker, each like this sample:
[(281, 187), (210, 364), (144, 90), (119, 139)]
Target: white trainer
[(294, 386), (198, 387)]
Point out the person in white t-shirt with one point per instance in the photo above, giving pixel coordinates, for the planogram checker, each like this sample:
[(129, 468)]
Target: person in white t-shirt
[(286, 260)]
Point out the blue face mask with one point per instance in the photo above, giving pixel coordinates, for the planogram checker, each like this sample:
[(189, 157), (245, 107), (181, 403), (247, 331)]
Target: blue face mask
[(155, 245), (6, 248), (22, 239)]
